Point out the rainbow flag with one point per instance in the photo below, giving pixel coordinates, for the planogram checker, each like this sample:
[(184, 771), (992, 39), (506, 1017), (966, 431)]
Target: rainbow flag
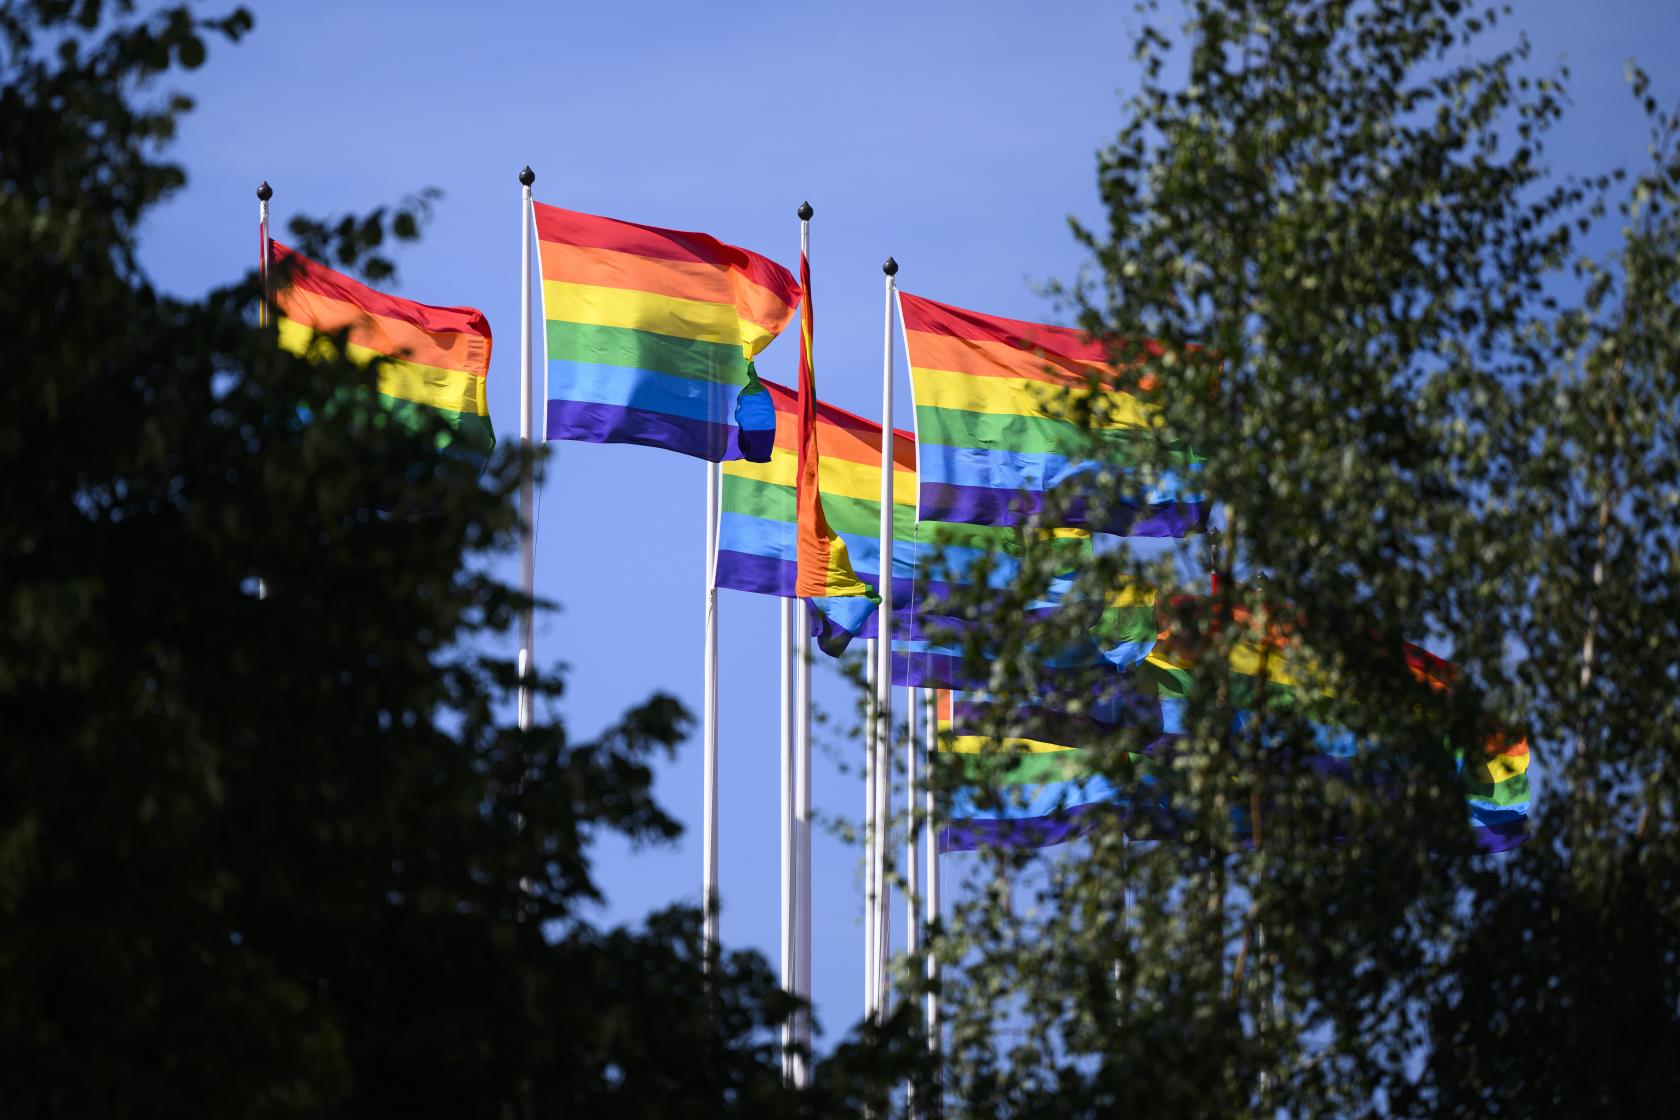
[(1034, 787), (1495, 773), (825, 575), (996, 438), (1121, 635), (1031, 788), (432, 361), (759, 529), (650, 336), (758, 544)]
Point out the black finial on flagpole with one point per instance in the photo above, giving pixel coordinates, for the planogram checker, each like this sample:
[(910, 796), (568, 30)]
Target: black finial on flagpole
[(264, 191), (805, 211), (527, 176), (890, 267)]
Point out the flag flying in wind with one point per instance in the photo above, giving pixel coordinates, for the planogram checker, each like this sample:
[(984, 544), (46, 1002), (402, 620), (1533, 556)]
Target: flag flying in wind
[(759, 531), (757, 547), (825, 575), (650, 336), (432, 361), (996, 437), (1268, 675), (1025, 778), (1033, 786)]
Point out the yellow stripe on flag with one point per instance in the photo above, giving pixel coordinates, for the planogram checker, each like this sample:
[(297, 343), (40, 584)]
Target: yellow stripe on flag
[(647, 311), (451, 389), (1019, 396)]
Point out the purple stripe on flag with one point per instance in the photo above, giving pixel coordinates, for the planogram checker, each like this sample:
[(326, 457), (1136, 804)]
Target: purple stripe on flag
[(931, 670), (985, 505), (762, 575), (1501, 837), (611, 423), (1029, 832)]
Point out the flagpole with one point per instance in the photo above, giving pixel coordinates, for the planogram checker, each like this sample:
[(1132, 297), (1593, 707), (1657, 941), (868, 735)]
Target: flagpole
[(802, 772), (870, 732), (802, 834), (931, 900), (264, 193), (912, 837), (527, 492), (883, 648), (789, 978), (709, 718), (912, 855)]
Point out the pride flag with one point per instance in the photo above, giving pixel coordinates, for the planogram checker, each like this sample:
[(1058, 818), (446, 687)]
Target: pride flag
[(758, 543), (759, 530), (432, 361), (1494, 772), (996, 437), (1034, 786), (650, 335)]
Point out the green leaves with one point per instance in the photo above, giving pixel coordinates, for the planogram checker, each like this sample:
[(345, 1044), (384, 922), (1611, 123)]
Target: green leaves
[(284, 854), (1422, 422)]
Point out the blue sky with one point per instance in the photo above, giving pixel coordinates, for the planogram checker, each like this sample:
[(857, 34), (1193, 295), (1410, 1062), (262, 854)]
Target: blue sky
[(957, 137)]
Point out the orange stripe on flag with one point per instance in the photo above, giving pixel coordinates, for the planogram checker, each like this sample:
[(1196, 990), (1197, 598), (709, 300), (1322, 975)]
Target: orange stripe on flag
[(393, 338)]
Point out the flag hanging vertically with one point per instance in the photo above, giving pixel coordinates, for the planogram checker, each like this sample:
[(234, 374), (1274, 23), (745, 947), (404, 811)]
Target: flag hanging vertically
[(650, 336), (825, 575), (996, 438), (432, 361)]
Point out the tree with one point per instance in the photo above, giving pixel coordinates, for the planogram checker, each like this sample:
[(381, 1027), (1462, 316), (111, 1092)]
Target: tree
[(280, 853), (1424, 418)]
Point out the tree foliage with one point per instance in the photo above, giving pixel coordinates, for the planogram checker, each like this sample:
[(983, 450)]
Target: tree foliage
[(1426, 417), (273, 849)]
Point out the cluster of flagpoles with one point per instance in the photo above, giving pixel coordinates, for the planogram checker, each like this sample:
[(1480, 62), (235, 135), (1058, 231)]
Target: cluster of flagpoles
[(922, 900)]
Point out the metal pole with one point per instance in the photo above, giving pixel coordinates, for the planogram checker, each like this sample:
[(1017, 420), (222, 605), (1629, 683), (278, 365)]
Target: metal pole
[(264, 193), (883, 647), (871, 730), (709, 718), (912, 855), (802, 755), (527, 490), (802, 834), (789, 874), (931, 900), (912, 837)]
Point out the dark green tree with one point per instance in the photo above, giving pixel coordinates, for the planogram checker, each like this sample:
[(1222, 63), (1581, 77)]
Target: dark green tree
[(282, 854), (1423, 417)]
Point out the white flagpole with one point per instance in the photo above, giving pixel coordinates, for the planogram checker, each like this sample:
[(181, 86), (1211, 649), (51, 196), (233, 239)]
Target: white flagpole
[(709, 719), (802, 832), (883, 850), (912, 854), (870, 733), (264, 193), (931, 901), (802, 773), (912, 837), (527, 492), (789, 978), (883, 648)]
